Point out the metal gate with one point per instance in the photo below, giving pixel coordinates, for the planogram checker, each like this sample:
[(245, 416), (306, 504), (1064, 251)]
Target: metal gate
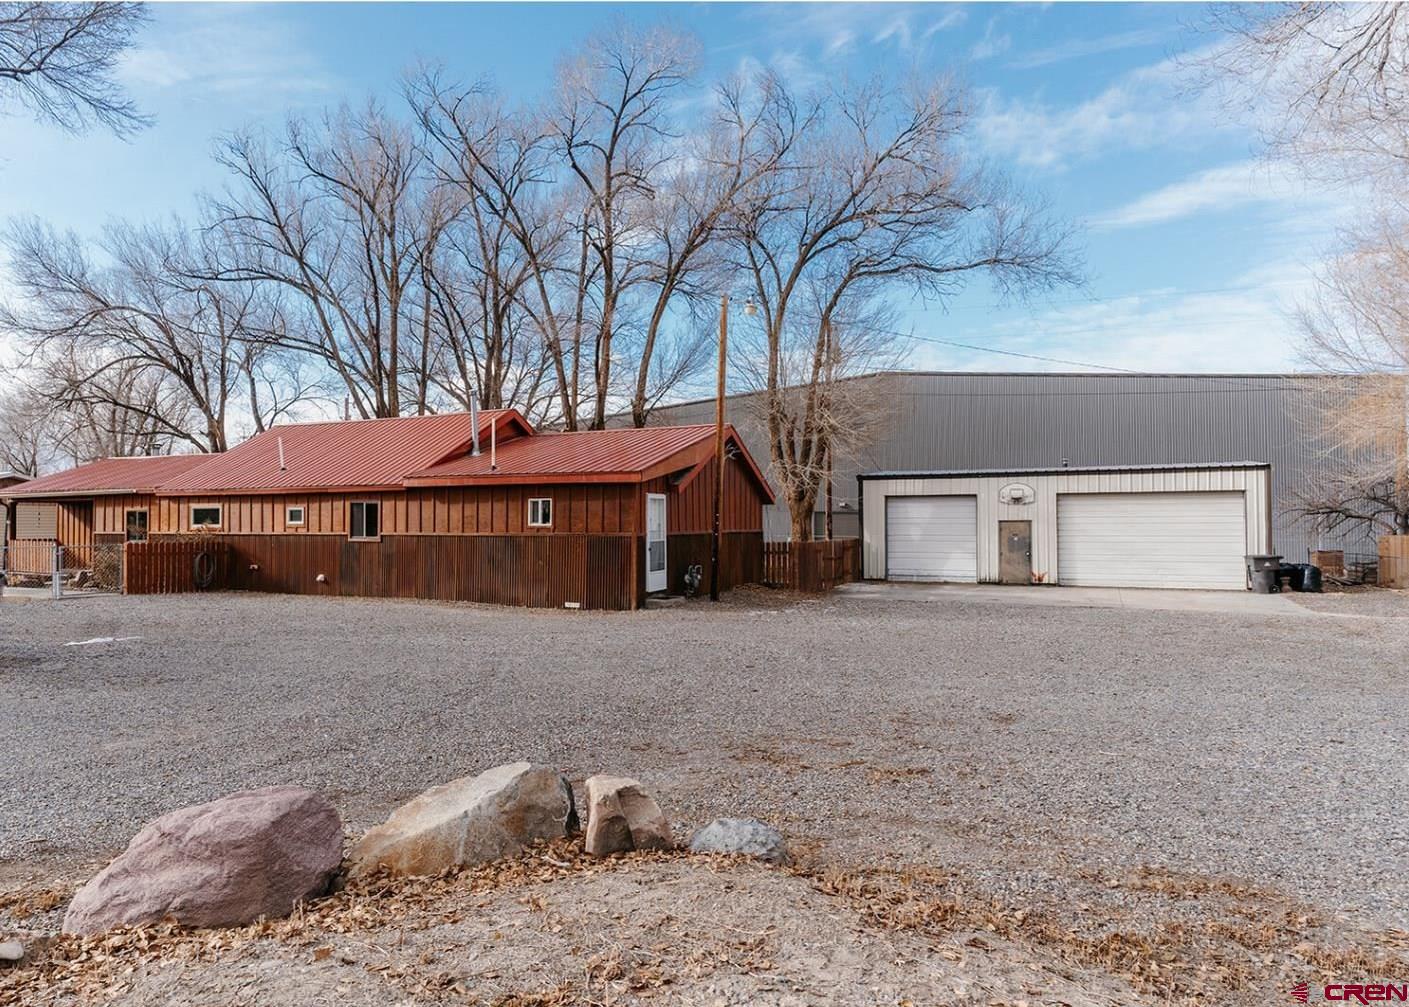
[(63, 569)]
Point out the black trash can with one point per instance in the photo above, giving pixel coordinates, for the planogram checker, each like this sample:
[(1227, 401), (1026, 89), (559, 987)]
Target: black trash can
[(1265, 581), (1262, 573)]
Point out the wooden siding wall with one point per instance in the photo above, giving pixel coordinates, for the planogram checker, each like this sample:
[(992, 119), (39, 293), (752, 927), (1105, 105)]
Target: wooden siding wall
[(110, 513), (692, 509), (542, 571), (740, 560), (75, 525), (577, 509)]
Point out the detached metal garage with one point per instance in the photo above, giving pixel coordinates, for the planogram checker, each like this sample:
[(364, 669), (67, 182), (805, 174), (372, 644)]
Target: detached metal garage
[(1186, 526)]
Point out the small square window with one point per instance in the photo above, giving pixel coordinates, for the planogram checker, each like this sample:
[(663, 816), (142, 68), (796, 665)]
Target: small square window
[(293, 516), (540, 512), (207, 516), (364, 519)]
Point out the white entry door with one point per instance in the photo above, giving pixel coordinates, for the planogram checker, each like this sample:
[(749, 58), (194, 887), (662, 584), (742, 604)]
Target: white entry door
[(932, 538), (1187, 540), (656, 579)]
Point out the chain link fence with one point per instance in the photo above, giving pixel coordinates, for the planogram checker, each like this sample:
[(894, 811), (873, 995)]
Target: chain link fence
[(62, 569)]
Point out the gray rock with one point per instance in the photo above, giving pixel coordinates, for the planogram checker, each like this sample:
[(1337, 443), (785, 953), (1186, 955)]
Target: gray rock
[(621, 816), (226, 863), (470, 820), (11, 951), (740, 835)]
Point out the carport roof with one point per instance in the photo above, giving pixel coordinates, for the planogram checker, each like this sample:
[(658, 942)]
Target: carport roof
[(1055, 470)]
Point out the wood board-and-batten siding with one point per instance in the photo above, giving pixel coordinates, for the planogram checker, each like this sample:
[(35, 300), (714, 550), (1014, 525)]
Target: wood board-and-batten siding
[(606, 508)]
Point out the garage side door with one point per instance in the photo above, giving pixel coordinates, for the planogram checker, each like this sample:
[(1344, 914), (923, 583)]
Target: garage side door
[(1181, 540), (931, 538)]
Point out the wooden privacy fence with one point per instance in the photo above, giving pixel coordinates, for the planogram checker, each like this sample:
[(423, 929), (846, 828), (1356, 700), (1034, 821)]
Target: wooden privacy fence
[(29, 557), (174, 566), (1394, 561), (812, 566)]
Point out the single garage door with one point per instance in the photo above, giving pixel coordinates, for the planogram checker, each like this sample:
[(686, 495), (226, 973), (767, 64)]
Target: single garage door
[(1185, 540), (931, 538)]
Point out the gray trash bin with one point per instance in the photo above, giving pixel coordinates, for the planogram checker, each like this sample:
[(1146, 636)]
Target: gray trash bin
[(1262, 573)]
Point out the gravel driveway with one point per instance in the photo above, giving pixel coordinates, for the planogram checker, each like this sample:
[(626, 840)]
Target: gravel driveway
[(1034, 748)]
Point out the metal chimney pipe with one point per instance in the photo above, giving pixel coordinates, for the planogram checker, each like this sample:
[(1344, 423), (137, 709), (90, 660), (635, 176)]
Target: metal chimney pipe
[(474, 422), (282, 466)]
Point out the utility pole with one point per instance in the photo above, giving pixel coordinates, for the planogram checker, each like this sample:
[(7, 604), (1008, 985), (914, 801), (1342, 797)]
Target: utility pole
[(718, 450), (827, 401)]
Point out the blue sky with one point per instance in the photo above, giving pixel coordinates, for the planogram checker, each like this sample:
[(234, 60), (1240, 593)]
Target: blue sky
[(1195, 249)]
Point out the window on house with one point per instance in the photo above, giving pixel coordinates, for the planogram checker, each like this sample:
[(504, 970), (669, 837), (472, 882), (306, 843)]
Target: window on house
[(136, 526), (208, 516), (293, 516), (364, 519), (540, 512)]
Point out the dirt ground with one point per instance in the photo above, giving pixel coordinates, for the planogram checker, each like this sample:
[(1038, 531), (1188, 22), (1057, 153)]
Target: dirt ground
[(988, 804)]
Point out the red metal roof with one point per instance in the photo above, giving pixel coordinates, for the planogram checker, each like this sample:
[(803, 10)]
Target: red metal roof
[(627, 454), (351, 454), (109, 476)]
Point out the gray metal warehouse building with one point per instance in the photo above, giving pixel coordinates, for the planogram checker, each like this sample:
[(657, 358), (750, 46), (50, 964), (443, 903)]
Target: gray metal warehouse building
[(968, 421)]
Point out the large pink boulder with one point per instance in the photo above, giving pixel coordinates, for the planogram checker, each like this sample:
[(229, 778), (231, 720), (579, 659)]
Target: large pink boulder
[(226, 863)]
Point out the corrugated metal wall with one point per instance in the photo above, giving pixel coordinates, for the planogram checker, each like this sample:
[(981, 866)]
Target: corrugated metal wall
[(995, 421), (1042, 511)]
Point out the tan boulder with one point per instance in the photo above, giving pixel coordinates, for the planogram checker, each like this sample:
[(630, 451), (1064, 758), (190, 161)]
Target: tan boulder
[(225, 863), (468, 821), (621, 816)]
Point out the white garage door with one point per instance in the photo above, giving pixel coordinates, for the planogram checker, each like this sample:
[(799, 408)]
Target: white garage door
[(931, 538), (1189, 540)]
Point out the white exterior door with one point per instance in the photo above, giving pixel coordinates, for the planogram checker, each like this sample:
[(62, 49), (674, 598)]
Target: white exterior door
[(1180, 540), (932, 538), (656, 579)]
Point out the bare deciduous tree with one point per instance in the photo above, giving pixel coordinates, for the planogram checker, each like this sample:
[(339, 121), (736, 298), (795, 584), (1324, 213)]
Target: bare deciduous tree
[(58, 61), (612, 127), (877, 196), (338, 217), (1330, 81), (140, 335), (1357, 331)]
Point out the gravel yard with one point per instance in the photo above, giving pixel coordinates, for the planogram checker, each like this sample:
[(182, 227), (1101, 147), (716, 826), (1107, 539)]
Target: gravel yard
[(1039, 752)]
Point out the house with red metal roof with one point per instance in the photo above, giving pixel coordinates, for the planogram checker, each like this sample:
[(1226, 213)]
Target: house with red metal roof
[(427, 507)]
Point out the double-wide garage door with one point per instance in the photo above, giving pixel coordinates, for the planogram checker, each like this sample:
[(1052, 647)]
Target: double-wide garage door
[(1180, 540), (932, 538)]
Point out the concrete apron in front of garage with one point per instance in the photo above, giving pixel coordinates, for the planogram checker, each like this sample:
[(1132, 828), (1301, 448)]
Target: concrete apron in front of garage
[(1080, 597)]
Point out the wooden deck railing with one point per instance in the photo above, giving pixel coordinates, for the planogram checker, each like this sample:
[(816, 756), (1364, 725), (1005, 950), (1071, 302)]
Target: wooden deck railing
[(812, 566)]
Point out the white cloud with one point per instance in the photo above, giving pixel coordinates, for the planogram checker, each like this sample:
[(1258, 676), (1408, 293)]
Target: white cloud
[(1218, 188), (952, 18), (1244, 326), (1144, 108), (1078, 48), (1240, 184), (232, 51), (993, 43)]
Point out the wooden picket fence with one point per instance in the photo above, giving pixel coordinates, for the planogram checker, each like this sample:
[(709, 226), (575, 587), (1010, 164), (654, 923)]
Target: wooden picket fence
[(168, 566), (29, 557), (816, 567)]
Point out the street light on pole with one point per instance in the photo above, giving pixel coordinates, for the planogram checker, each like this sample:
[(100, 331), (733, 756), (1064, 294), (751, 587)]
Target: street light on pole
[(719, 456)]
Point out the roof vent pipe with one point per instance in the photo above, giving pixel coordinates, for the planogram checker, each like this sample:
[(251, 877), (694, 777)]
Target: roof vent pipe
[(493, 448), (282, 466), (474, 422)]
